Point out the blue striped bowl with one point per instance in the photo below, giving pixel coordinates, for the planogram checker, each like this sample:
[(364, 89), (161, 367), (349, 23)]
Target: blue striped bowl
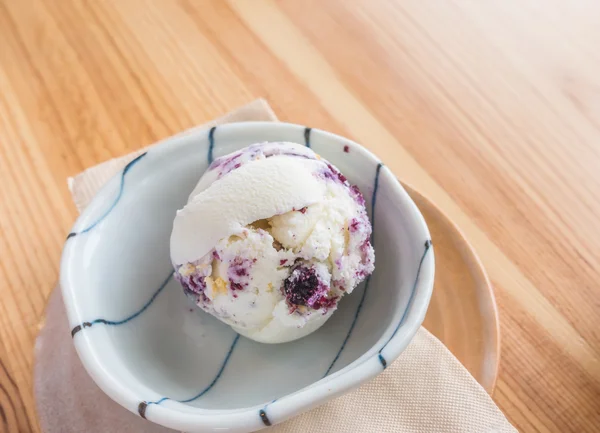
[(166, 361)]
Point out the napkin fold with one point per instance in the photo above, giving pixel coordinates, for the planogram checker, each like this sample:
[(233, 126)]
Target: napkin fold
[(426, 390)]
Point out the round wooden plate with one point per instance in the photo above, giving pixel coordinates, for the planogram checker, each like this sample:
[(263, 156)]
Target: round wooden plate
[(462, 313)]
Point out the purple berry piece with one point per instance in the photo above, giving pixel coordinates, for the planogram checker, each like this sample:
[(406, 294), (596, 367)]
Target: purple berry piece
[(301, 285)]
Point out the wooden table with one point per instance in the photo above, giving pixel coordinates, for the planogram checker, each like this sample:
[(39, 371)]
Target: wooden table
[(490, 108)]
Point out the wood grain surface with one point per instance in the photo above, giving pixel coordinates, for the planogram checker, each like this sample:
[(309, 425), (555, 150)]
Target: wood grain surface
[(490, 108)]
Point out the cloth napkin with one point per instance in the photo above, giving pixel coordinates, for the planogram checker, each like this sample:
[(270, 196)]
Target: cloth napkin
[(426, 390)]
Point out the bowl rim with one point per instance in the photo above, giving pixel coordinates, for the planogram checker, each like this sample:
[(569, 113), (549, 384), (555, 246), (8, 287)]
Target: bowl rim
[(299, 401)]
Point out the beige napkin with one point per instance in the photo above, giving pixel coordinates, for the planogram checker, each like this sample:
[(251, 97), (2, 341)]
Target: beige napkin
[(425, 390)]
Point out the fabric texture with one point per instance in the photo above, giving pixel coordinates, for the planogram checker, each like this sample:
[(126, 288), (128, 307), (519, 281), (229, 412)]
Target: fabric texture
[(426, 390)]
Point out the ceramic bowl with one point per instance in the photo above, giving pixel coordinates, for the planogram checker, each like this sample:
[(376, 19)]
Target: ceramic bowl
[(157, 355)]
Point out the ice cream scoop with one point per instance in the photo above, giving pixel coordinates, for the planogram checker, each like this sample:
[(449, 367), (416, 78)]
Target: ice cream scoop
[(271, 239)]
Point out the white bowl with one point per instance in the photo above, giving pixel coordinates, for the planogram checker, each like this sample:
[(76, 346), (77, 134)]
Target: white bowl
[(157, 355)]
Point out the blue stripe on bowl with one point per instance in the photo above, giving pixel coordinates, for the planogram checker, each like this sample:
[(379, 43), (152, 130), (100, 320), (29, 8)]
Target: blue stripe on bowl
[(264, 417), (211, 144), (410, 300), (307, 132), (143, 406), (114, 203), (362, 299), (78, 328)]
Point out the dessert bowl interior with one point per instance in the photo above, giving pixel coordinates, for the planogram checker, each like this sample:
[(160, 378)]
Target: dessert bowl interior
[(159, 356)]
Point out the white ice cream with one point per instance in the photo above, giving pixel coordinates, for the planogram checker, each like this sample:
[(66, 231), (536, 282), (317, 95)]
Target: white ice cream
[(270, 240)]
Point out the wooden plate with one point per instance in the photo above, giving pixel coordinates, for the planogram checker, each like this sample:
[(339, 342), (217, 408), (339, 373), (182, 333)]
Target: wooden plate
[(462, 312)]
